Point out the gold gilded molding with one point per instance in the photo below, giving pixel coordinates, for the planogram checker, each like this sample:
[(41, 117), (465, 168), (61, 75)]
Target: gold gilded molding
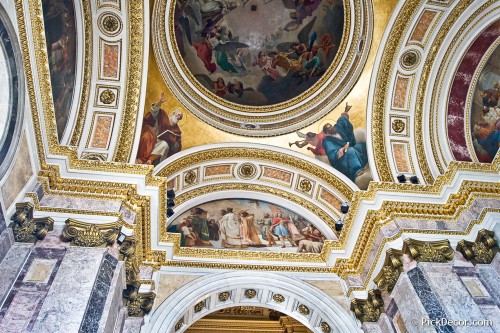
[(133, 81), (27, 229)]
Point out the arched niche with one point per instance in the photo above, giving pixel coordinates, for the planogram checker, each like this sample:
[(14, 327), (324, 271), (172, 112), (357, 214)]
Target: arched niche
[(200, 297)]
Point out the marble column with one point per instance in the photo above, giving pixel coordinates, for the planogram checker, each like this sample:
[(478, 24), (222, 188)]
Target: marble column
[(10, 267), (3, 223), (382, 326), (6, 241), (112, 311)]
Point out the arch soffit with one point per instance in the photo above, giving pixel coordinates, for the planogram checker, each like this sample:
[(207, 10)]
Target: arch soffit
[(206, 289)]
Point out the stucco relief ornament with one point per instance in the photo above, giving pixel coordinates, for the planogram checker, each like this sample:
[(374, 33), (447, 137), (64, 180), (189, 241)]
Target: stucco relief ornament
[(199, 306), (278, 298), (247, 171), (107, 97), (250, 293), (409, 59), (325, 327), (111, 24), (304, 310), (190, 177), (398, 126), (224, 296), (179, 324), (305, 185)]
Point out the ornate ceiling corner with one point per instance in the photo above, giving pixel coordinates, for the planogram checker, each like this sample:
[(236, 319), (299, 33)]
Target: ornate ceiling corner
[(370, 309), (272, 117), (420, 33), (26, 228), (482, 251)]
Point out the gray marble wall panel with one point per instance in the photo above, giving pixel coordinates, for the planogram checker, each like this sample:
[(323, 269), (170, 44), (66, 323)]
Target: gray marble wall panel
[(114, 302), (133, 325), (25, 299), (95, 306), (371, 328), (428, 299), (6, 241), (410, 306), (120, 321), (10, 267), (453, 296), (492, 312), (67, 299), (491, 281)]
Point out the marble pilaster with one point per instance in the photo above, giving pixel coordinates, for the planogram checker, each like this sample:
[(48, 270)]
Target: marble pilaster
[(453, 296), (66, 302), (382, 326), (3, 223), (114, 302), (6, 241), (10, 266), (410, 305), (97, 301)]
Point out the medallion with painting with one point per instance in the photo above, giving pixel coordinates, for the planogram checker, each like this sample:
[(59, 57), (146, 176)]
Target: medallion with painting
[(243, 224)]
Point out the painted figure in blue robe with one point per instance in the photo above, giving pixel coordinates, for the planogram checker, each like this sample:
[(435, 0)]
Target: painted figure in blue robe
[(344, 153)]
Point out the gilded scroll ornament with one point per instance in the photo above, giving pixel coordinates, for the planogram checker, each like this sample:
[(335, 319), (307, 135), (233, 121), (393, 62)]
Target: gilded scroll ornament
[(250, 293), (90, 235), (303, 310), (388, 276), (482, 251), (26, 228), (435, 251), (368, 310)]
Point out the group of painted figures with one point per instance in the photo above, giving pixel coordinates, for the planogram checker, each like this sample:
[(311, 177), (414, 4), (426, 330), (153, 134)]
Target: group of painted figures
[(241, 230), (486, 130)]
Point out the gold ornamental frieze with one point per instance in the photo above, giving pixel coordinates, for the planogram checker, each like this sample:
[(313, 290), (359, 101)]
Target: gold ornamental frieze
[(433, 251), (27, 229), (368, 310), (482, 251)]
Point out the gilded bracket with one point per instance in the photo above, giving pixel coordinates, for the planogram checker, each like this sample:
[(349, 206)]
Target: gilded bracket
[(388, 276), (368, 310), (138, 304), (482, 251), (434, 251), (26, 228), (90, 235)]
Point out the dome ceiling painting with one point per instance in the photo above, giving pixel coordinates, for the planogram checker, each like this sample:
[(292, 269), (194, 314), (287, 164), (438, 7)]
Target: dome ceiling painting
[(261, 68)]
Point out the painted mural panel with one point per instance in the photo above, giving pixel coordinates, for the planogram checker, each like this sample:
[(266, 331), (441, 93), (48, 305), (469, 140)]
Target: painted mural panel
[(60, 36), (485, 113), (258, 52), (243, 224)]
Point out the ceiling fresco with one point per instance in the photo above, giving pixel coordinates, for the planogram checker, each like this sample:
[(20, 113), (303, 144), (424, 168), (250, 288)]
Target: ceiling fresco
[(258, 53), (261, 68)]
